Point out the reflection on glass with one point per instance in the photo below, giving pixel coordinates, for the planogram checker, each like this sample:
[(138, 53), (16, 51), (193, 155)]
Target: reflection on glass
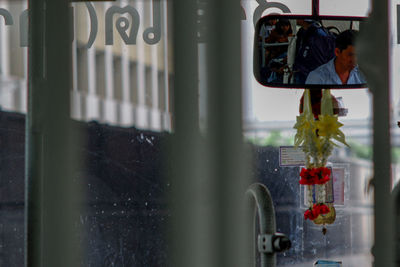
[(121, 98), (300, 52)]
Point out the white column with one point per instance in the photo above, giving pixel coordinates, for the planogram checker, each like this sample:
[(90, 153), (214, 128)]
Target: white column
[(166, 116), (23, 86), (109, 104), (4, 45), (92, 97), (141, 110), (8, 86), (155, 111), (126, 108)]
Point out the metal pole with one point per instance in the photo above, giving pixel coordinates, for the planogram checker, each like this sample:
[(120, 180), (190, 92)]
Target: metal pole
[(51, 195), (374, 58), (226, 132), (209, 183), (188, 181)]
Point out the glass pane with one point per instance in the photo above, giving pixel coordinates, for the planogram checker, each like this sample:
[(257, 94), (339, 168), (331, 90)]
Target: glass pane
[(13, 62), (270, 115), (120, 97), (121, 102)]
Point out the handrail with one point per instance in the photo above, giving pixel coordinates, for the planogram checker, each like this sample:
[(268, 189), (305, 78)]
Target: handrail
[(260, 198), (268, 241)]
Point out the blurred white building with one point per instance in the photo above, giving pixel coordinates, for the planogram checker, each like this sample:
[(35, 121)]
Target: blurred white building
[(115, 81)]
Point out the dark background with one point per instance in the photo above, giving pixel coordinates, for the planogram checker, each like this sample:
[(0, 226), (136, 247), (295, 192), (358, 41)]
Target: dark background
[(126, 208)]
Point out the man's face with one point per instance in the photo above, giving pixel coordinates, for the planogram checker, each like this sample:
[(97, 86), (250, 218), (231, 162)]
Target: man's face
[(285, 28), (346, 58)]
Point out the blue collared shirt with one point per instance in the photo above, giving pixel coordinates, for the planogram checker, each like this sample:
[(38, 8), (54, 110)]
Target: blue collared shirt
[(326, 74)]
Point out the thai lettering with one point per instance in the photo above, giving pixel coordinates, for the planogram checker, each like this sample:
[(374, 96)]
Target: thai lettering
[(152, 35), (122, 24), (264, 5), (127, 24), (93, 24)]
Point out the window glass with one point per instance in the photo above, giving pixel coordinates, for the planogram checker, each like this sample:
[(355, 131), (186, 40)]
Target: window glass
[(120, 102), (270, 115), (120, 99)]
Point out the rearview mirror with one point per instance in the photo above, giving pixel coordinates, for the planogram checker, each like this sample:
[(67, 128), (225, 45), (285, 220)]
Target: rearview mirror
[(305, 52)]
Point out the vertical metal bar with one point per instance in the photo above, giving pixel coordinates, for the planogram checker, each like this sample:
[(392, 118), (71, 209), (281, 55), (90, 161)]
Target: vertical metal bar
[(398, 23), (189, 227), (208, 174), (225, 130), (374, 59), (51, 194)]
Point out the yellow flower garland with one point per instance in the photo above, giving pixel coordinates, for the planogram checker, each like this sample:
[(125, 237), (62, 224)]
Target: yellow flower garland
[(315, 137)]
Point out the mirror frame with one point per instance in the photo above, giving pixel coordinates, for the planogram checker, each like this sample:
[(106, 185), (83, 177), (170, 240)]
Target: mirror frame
[(256, 53)]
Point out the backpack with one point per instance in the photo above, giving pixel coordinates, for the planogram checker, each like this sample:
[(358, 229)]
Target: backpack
[(315, 47)]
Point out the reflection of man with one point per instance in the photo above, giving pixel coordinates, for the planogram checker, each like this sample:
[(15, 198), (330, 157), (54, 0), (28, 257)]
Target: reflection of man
[(314, 47), (343, 68)]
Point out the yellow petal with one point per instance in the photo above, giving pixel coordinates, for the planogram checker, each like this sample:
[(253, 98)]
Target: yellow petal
[(326, 103)]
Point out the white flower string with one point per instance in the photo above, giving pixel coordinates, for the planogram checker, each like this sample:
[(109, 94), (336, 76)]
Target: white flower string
[(310, 196)]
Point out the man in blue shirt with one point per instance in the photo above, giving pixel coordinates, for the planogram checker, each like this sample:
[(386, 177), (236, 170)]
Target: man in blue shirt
[(343, 68)]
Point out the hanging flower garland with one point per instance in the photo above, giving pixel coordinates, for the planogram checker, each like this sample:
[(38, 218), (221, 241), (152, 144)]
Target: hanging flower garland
[(316, 137)]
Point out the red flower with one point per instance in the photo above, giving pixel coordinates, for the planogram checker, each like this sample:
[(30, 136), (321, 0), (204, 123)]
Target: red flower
[(322, 180), (325, 171), (313, 176), (314, 172), (304, 173), (306, 182), (322, 208), (316, 210), (308, 214), (324, 175), (306, 177)]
